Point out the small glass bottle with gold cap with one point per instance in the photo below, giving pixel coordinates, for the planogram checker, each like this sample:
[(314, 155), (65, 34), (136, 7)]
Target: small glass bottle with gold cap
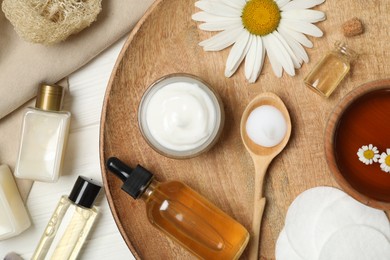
[(44, 135)]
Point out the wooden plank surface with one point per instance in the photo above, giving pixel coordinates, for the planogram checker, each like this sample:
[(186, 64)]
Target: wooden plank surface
[(84, 100), (167, 42)]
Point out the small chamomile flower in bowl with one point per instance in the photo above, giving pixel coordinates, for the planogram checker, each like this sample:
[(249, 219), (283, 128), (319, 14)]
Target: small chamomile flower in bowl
[(368, 154), (385, 161)]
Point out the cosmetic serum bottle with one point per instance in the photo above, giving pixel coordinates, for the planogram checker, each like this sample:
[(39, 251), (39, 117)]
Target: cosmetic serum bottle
[(44, 135), (14, 218), (183, 214), (70, 223)]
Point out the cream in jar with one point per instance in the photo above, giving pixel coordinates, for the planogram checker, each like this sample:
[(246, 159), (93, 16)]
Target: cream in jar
[(180, 116)]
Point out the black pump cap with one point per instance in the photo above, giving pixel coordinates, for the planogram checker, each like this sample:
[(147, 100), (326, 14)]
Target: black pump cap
[(135, 181), (84, 192)]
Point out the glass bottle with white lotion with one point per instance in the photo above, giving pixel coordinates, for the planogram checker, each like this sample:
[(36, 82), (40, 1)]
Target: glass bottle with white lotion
[(14, 218), (70, 223), (44, 135)]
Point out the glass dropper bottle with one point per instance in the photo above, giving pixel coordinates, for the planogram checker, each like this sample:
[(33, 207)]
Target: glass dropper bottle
[(183, 215)]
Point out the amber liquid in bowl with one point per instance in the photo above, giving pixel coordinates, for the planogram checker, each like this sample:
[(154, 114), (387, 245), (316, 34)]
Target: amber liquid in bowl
[(365, 121)]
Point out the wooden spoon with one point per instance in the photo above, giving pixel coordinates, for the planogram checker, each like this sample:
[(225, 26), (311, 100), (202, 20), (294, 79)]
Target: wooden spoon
[(262, 157)]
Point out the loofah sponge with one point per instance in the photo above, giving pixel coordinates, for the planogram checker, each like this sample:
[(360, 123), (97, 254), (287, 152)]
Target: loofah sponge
[(50, 21)]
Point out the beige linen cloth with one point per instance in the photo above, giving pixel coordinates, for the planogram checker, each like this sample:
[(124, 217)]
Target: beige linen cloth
[(23, 66)]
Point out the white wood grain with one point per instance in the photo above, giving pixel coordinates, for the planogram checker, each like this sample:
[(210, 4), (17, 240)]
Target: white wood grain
[(84, 100)]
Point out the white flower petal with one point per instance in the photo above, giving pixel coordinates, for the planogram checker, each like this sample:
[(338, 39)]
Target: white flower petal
[(281, 54), (301, 4), (296, 47), (237, 53), (294, 58), (276, 66), (281, 3), (250, 57), (303, 27), (258, 65), (238, 4), (299, 37), (218, 8), (220, 25), (311, 16), (207, 17), (221, 40)]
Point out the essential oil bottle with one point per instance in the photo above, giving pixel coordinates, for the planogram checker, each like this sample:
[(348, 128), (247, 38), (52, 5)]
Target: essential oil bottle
[(44, 134), (70, 223), (183, 214), (330, 70), (14, 218)]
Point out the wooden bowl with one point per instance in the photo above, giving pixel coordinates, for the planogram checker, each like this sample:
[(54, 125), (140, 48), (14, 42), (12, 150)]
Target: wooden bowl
[(361, 118)]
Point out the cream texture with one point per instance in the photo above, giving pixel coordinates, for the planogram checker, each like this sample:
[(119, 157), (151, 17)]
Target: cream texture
[(266, 126), (181, 116)]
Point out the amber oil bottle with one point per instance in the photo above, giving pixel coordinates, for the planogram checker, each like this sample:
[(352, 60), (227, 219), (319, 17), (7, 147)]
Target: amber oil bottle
[(330, 70), (183, 215)]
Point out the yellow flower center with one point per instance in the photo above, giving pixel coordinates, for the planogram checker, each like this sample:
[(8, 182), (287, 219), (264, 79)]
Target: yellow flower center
[(387, 160), (369, 154), (261, 17)]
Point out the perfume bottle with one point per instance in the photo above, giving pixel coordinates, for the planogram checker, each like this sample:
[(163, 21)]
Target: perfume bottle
[(70, 223), (183, 215), (331, 70), (44, 134), (14, 218)]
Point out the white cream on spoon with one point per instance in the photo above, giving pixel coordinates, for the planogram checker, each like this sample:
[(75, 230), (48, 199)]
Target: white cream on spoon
[(267, 147), (266, 126)]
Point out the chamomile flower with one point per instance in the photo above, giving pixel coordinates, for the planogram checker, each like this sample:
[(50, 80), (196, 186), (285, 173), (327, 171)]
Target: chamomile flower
[(259, 27), (385, 161), (368, 154)]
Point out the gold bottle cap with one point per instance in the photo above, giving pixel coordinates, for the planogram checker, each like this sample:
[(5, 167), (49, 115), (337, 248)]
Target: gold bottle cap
[(50, 97)]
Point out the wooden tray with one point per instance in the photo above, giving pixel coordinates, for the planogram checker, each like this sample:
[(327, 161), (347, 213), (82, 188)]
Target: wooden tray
[(166, 41)]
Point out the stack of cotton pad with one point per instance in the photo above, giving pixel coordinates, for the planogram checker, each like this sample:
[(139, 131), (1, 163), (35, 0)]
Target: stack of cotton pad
[(325, 223)]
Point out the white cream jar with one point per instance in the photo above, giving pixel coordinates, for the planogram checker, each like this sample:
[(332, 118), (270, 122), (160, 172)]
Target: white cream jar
[(180, 116)]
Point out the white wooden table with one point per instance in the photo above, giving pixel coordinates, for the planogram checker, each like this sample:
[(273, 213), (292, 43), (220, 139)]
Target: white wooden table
[(84, 101)]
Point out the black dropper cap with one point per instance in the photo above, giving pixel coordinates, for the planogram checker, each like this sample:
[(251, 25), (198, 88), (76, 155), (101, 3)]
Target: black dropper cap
[(135, 181), (84, 192)]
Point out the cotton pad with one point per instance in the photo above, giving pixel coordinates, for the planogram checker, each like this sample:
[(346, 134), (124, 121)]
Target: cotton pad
[(347, 211), (302, 217), (283, 249), (356, 242)]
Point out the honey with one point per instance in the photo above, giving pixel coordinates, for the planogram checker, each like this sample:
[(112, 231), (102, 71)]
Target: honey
[(331, 70)]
